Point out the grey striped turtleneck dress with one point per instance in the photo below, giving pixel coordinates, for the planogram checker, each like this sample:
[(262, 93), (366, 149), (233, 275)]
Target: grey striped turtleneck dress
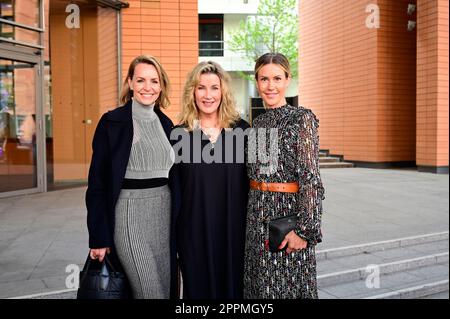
[(142, 220)]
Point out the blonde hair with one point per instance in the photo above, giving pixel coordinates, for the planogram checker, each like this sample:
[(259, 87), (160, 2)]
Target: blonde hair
[(126, 93), (273, 58), (227, 108)]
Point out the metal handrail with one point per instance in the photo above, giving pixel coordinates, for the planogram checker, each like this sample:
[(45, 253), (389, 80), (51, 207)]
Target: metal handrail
[(20, 25), (220, 47), (36, 46), (206, 49), (201, 41)]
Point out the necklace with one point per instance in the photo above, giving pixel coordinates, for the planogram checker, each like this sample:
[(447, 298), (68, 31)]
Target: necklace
[(212, 133)]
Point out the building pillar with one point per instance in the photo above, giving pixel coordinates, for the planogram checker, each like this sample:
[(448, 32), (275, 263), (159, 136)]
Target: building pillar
[(432, 86)]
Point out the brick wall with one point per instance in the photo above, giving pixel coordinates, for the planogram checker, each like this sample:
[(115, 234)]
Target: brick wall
[(432, 83), (167, 29), (360, 82)]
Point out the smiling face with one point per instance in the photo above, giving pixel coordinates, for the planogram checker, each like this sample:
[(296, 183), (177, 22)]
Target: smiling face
[(208, 95), (272, 84), (145, 84)]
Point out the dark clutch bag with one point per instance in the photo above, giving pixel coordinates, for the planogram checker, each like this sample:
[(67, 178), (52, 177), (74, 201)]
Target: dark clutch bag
[(278, 229), (101, 280)]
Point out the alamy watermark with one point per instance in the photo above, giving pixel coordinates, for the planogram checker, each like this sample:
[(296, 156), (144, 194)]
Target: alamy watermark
[(73, 279), (73, 19), (262, 147), (373, 277), (373, 19)]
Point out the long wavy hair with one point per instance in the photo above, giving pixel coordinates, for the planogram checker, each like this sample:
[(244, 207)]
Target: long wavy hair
[(228, 114), (126, 93)]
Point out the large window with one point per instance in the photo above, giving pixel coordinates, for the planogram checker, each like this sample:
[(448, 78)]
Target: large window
[(211, 34), (18, 160), (20, 140)]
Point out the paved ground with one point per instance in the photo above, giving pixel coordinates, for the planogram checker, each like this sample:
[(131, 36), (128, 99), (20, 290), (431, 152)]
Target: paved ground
[(41, 235)]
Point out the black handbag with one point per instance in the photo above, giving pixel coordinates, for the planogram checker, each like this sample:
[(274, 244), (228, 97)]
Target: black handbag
[(101, 280), (278, 228)]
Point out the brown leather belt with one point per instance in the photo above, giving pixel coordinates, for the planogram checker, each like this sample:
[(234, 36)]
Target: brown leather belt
[(275, 187)]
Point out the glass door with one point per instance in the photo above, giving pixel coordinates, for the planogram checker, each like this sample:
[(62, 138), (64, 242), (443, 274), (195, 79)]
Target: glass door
[(18, 126), (22, 147)]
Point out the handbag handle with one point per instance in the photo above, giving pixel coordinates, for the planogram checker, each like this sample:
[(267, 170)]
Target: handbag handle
[(88, 263), (85, 268), (109, 263)]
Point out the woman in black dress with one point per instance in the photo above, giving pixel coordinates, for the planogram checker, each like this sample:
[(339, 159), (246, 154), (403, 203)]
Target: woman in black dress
[(287, 185), (210, 187)]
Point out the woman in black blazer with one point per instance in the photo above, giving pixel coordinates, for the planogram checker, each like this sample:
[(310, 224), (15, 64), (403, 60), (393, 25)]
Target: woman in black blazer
[(128, 199)]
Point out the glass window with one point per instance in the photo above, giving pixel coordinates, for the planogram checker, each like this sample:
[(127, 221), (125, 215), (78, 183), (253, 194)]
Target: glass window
[(19, 34), (23, 12), (211, 35), (17, 126)]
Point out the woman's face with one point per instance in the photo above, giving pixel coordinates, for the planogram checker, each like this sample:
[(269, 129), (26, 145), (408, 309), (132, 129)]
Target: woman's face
[(208, 94), (145, 84), (272, 84)]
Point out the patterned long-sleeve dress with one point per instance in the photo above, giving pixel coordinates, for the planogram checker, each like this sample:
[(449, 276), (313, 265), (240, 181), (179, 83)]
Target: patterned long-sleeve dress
[(280, 275)]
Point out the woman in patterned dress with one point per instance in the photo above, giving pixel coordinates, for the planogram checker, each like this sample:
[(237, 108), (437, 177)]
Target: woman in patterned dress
[(291, 272)]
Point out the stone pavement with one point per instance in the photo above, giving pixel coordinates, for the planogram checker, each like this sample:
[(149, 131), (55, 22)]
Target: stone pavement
[(42, 234)]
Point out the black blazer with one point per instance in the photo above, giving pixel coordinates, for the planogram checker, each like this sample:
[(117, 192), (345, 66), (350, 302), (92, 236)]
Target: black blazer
[(111, 150)]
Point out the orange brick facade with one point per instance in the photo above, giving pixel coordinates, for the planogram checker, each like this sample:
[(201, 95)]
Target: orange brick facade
[(361, 82), (432, 83), (167, 29)]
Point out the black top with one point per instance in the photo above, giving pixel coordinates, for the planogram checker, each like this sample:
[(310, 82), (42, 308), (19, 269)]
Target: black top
[(210, 219)]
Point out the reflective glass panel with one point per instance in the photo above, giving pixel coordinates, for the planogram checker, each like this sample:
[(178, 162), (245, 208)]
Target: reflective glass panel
[(17, 126)]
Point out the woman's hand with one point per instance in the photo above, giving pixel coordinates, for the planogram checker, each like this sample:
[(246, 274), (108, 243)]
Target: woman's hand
[(99, 253), (293, 242)]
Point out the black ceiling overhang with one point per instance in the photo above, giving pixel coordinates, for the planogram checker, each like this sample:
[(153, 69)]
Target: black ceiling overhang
[(116, 4)]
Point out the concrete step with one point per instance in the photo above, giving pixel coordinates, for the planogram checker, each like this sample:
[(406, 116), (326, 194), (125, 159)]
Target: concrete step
[(335, 165), (410, 267), (59, 294), (440, 295), (328, 159), (421, 291), (417, 283), (325, 279), (331, 253), (436, 290)]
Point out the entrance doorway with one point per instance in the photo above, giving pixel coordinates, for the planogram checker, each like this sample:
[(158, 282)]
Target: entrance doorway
[(56, 81), (84, 82)]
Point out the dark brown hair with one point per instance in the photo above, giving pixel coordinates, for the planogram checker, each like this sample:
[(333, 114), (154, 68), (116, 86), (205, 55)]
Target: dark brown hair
[(273, 58)]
